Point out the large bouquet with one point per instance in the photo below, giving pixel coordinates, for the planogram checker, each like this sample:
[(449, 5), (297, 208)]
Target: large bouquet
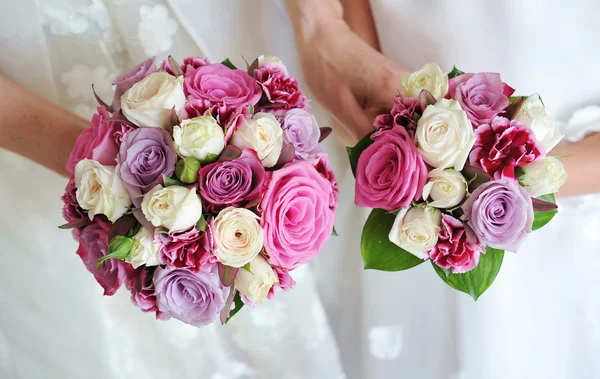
[(200, 187), (457, 172)]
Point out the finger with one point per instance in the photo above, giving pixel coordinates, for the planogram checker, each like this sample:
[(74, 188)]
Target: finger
[(351, 121)]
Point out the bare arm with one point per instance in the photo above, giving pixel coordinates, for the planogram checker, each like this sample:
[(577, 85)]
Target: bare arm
[(35, 128), (582, 163)]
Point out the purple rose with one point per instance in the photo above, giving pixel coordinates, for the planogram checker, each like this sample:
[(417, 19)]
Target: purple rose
[(233, 183), (195, 299), (128, 79), (93, 245), (145, 156), (482, 96), (190, 249), (500, 212), (221, 85), (300, 128)]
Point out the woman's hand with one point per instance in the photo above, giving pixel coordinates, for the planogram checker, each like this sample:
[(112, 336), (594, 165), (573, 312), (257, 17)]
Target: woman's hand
[(345, 73)]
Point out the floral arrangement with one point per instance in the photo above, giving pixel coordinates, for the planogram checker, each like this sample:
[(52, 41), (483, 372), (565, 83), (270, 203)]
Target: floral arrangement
[(457, 172), (200, 187)]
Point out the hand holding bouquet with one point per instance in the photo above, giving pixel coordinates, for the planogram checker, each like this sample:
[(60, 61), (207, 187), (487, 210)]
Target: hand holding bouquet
[(457, 172), (201, 187)]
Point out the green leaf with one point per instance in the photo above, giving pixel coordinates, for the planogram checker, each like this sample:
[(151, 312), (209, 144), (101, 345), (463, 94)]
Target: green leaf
[(171, 182), (186, 170), (478, 280), (246, 267), (134, 229), (334, 232), (238, 305), (201, 224), (118, 248), (542, 218), (228, 63), (251, 109), (354, 152), (378, 252), (454, 72)]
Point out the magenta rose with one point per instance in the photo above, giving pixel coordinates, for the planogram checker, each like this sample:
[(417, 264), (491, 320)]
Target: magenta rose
[(99, 142), (321, 163), (482, 96), (127, 80), (71, 211), (145, 156), (402, 114), (458, 248), (500, 213), (236, 183), (390, 173), (194, 298), (296, 218), (503, 145), (190, 249), (141, 285), (93, 245), (189, 62), (285, 281), (281, 90)]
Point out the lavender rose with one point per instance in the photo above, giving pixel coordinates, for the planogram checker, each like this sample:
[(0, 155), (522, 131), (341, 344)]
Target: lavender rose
[(300, 128), (145, 155), (234, 183), (482, 96), (128, 79), (195, 299), (500, 212)]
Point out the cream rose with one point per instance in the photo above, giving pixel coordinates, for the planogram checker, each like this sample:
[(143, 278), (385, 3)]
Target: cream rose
[(262, 133), (149, 103), (270, 60), (144, 250), (540, 120), (416, 229), (175, 208), (256, 282), (430, 77), (543, 176), (238, 236), (447, 188), (445, 135), (199, 137), (100, 190)]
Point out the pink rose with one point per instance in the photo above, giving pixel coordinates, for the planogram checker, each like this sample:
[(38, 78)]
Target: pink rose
[(189, 62), (99, 142), (390, 173), (458, 248), (321, 163), (281, 90), (285, 281), (93, 245), (128, 79), (402, 114), (297, 218), (140, 284), (503, 145), (482, 96), (71, 211), (190, 249)]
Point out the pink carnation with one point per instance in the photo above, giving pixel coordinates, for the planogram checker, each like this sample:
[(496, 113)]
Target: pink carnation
[(458, 248), (190, 249), (321, 163), (286, 282), (99, 142), (189, 62), (140, 284), (71, 211), (281, 90), (402, 114), (229, 118)]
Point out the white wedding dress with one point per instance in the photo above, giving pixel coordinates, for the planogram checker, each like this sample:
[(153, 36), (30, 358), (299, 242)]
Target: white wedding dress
[(541, 319)]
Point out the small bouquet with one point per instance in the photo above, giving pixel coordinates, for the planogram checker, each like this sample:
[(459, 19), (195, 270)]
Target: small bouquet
[(200, 187), (457, 172)]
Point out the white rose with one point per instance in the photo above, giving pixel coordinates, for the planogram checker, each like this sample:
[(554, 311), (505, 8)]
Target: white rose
[(445, 135), (149, 103), (256, 282), (174, 207), (543, 176), (270, 59), (238, 236), (199, 137), (447, 188), (430, 77), (262, 133), (100, 190), (416, 229), (540, 120), (144, 250)]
